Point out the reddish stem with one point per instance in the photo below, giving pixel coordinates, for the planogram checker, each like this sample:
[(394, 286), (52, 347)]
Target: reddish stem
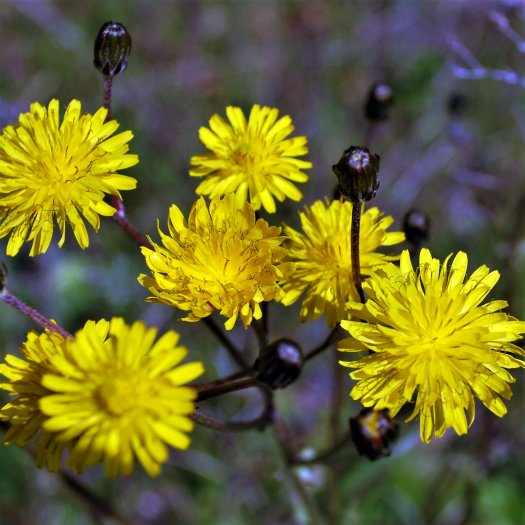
[(40, 319), (121, 219)]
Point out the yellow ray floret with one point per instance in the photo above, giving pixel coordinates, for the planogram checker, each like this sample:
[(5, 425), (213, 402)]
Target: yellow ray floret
[(322, 256), (59, 171), (433, 343), (222, 259), (253, 158), (111, 394)]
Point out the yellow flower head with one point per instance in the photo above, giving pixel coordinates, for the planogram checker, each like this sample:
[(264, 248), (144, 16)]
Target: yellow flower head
[(323, 261), (59, 171), (222, 259), (25, 382), (252, 158), (111, 394), (433, 343)]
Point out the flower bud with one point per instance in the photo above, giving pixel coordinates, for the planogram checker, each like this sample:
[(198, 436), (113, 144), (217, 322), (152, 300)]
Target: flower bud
[(280, 363), (112, 49), (416, 225), (373, 433), (457, 105), (357, 174), (379, 102)]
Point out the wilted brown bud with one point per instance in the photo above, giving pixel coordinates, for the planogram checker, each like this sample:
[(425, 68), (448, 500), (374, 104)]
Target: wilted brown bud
[(416, 225), (112, 49), (357, 174), (373, 433), (280, 363), (379, 102)]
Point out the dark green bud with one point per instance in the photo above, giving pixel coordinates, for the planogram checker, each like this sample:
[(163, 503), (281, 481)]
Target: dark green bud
[(357, 174), (379, 102), (373, 433), (280, 363), (112, 49), (457, 104), (416, 225)]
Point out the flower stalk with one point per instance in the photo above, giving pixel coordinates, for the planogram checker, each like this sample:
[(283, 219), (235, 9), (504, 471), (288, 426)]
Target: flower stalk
[(209, 392), (122, 220), (354, 251), (33, 314)]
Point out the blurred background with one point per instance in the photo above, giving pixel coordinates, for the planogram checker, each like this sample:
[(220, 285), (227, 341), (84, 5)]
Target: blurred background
[(454, 148)]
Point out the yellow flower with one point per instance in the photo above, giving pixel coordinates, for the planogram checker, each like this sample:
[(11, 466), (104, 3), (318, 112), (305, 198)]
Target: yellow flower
[(25, 382), (252, 158), (111, 394), (322, 257), (220, 259), (51, 171), (433, 343)]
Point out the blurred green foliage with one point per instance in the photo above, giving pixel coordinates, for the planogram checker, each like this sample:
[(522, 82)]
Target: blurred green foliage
[(314, 60)]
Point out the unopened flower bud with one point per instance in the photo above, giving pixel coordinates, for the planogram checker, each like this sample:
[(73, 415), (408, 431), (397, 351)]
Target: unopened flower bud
[(416, 225), (457, 105), (112, 49), (280, 363), (357, 174), (379, 102), (373, 433)]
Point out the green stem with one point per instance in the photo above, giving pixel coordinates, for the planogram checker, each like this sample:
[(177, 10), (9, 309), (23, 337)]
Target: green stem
[(330, 338), (282, 439), (354, 249), (235, 353), (326, 455), (221, 381), (225, 388), (260, 332), (334, 480), (98, 506), (221, 425)]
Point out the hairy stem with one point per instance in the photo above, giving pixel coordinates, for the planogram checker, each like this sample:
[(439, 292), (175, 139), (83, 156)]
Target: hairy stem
[(37, 317), (108, 89), (354, 248), (225, 388), (234, 352), (122, 220), (330, 338), (221, 425)]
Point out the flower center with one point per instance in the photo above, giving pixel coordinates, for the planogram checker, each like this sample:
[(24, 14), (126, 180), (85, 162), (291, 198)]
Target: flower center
[(117, 395), (56, 170), (247, 155)]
